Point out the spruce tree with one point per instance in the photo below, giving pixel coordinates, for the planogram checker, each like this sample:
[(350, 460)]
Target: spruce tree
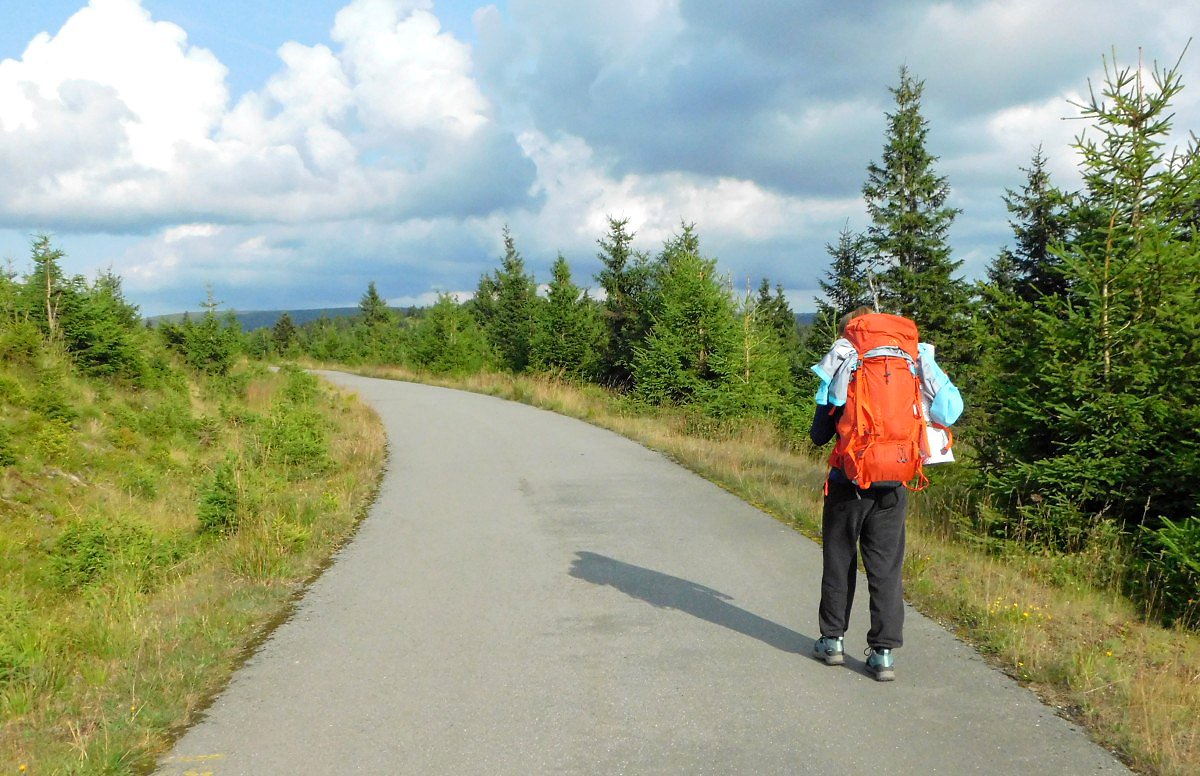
[(906, 241), (447, 340), (42, 294), (1099, 423), (374, 309), (688, 347), (628, 280), (1041, 221), (283, 333), (508, 307), (568, 330), (756, 371), (774, 313), (847, 285)]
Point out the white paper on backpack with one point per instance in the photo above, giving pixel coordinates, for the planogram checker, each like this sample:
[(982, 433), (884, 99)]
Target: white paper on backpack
[(939, 445)]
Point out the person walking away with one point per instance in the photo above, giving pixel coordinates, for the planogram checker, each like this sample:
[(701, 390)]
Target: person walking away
[(880, 388)]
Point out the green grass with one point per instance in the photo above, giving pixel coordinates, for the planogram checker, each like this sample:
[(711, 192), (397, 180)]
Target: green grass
[(147, 538)]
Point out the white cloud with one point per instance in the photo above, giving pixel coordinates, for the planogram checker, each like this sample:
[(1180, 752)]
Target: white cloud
[(408, 75), (581, 193), (177, 99), (117, 122)]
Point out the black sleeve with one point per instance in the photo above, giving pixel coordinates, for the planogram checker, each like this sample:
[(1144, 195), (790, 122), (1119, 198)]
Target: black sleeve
[(824, 424)]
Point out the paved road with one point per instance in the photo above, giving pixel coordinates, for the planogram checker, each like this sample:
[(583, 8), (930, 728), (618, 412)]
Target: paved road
[(532, 595)]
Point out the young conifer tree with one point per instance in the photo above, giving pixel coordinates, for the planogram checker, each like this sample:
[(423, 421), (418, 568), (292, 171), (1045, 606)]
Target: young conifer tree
[(628, 280), (507, 307), (694, 331), (910, 220), (1041, 219), (1110, 377), (568, 331), (846, 285)]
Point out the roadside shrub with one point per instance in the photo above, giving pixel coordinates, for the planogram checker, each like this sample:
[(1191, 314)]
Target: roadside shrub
[(301, 387), (20, 342), (94, 550), (219, 501)]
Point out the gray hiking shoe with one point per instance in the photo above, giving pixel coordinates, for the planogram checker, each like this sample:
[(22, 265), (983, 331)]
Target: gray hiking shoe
[(880, 664), (829, 649)]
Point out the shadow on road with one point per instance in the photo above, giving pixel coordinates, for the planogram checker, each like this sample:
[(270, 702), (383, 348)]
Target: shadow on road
[(668, 592)]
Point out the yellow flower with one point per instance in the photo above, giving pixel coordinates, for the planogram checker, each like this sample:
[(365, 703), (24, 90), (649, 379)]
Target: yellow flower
[(1109, 653)]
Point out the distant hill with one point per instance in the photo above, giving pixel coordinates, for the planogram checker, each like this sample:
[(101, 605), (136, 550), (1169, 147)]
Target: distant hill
[(264, 319)]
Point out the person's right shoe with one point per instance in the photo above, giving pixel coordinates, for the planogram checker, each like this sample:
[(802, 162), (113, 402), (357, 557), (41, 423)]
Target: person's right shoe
[(829, 649), (880, 664)]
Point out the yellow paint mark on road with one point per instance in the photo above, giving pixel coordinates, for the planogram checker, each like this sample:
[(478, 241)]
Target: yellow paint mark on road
[(195, 758)]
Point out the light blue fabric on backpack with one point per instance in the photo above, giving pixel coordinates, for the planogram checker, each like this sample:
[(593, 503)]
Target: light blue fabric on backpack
[(945, 403), (945, 400), (834, 370)]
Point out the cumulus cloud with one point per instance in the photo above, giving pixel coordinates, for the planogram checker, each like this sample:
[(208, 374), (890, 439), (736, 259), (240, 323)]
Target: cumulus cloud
[(117, 122)]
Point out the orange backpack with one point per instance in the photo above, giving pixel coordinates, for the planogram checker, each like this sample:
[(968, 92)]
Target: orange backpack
[(881, 433)]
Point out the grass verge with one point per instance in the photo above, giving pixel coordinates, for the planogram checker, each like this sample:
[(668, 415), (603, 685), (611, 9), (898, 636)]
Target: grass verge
[(147, 540)]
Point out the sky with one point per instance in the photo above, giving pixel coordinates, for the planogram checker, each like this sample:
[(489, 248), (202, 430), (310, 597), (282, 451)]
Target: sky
[(286, 155)]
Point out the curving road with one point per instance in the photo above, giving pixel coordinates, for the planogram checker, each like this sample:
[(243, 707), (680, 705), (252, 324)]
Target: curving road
[(533, 595)]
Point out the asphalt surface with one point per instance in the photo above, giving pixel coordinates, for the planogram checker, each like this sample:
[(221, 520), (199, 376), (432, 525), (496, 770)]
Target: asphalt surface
[(533, 595)]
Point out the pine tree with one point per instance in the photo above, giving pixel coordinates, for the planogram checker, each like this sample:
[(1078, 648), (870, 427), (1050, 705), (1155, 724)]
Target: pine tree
[(568, 331), (910, 219), (1107, 373), (628, 280), (847, 285), (694, 330), (508, 308), (1042, 221)]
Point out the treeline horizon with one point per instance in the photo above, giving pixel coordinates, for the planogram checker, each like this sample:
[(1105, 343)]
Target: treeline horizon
[(1075, 354)]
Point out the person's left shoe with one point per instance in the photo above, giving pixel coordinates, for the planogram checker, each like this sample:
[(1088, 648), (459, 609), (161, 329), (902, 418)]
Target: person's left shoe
[(880, 664)]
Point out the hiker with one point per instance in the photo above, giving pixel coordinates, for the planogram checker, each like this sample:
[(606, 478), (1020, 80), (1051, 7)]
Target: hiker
[(862, 511)]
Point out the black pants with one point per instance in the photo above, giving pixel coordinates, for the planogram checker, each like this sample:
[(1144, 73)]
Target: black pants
[(872, 520)]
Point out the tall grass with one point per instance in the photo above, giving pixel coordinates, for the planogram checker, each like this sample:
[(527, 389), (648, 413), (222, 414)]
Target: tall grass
[(1054, 623), (147, 537)]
